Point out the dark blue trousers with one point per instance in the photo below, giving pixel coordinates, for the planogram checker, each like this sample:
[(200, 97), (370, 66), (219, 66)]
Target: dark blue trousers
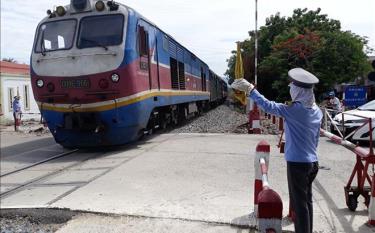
[(300, 178)]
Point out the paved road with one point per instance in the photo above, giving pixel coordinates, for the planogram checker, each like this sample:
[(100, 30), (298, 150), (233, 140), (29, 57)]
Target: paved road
[(201, 178)]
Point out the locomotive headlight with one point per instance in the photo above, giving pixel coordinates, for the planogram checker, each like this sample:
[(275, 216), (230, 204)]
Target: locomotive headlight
[(40, 83), (99, 5), (60, 10), (115, 78)]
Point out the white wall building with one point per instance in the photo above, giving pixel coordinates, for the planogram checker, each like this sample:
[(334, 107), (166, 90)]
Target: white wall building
[(15, 80)]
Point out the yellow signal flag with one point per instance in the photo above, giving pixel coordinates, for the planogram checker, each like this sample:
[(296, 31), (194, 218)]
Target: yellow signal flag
[(240, 96), (238, 74), (238, 70)]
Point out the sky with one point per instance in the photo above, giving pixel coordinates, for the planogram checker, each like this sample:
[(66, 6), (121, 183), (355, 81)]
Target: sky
[(208, 28)]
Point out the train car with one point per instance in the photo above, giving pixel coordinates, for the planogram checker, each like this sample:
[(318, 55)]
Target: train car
[(102, 74), (218, 89)]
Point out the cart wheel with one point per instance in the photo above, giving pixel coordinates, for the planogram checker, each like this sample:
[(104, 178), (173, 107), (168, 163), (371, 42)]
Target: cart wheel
[(352, 202)]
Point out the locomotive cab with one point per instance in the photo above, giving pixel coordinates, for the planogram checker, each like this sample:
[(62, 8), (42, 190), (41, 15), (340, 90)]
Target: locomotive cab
[(75, 62), (77, 51)]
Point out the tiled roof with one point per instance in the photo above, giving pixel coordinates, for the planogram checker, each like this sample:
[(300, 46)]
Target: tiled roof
[(14, 68)]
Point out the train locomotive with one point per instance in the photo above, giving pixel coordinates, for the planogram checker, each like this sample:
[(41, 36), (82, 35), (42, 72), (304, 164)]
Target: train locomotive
[(102, 75)]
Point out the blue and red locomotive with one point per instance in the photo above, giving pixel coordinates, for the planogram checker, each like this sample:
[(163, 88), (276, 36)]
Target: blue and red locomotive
[(102, 74)]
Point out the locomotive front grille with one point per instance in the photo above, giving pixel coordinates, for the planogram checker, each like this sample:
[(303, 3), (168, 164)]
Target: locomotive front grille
[(81, 121)]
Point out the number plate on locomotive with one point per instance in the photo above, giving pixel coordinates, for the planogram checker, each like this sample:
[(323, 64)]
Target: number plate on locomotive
[(75, 83)]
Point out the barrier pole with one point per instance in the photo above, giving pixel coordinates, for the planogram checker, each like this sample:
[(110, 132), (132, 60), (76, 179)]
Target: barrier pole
[(254, 121), (270, 205), (262, 151)]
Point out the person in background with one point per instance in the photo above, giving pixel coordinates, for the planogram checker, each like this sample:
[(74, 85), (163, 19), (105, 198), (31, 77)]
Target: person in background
[(16, 112), (302, 130), (334, 103)]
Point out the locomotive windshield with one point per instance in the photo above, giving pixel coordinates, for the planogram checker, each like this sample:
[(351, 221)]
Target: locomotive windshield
[(100, 31), (56, 35)]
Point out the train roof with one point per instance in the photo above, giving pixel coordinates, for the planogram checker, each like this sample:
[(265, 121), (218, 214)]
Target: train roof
[(88, 7), (150, 22)]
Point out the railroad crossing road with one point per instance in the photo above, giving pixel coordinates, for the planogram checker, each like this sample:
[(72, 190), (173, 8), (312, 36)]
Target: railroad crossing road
[(196, 177)]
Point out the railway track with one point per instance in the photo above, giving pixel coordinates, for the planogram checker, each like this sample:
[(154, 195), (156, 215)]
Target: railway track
[(42, 177), (38, 163)]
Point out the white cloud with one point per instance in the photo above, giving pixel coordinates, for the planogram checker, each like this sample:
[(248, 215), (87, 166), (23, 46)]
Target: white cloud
[(209, 28)]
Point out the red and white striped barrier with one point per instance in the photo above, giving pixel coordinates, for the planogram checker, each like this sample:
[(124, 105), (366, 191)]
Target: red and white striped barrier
[(364, 158), (254, 121), (256, 115), (270, 205), (262, 151), (362, 152)]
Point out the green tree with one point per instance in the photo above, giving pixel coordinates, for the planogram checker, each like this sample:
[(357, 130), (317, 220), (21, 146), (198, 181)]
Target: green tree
[(309, 40)]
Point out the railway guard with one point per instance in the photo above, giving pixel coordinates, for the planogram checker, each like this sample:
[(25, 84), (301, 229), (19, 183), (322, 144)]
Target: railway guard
[(302, 126), (16, 105)]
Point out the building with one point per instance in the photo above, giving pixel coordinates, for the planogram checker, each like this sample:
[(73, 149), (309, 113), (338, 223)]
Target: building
[(15, 80)]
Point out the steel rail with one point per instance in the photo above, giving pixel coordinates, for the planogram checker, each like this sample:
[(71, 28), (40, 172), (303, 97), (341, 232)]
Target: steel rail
[(43, 177), (40, 162)]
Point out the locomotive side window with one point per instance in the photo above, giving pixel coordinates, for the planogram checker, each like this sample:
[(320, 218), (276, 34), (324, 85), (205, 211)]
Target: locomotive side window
[(56, 35), (143, 41), (187, 59), (195, 65), (100, 31)]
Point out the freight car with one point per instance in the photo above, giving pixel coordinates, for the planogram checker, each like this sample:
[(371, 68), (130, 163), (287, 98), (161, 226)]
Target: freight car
[(102, 74)]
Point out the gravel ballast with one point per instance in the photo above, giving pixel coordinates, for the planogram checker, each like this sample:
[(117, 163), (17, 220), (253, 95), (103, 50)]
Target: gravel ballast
[(221, 119), (33, 220)]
